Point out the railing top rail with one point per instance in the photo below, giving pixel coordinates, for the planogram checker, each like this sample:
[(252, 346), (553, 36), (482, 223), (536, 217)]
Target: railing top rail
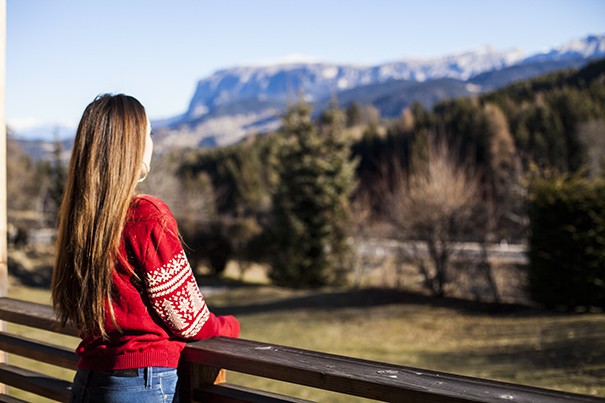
[(370, 379), (30, 314)]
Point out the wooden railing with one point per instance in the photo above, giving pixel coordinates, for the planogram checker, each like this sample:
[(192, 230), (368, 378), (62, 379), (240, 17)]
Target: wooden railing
[(203, 380)]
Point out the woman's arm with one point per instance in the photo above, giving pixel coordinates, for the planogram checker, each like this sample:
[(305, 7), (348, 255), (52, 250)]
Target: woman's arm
[(172, 289), (176, 298)]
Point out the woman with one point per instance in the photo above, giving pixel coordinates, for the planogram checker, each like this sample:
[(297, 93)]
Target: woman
[(121, 276)]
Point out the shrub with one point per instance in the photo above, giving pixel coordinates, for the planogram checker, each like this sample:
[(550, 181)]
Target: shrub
[(567, 242), (207, 242)]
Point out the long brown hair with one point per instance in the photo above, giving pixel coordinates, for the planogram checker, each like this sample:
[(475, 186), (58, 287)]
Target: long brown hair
[(103, 172)]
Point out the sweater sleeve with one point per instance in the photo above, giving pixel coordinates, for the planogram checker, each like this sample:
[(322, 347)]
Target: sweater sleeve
[(173, 291)]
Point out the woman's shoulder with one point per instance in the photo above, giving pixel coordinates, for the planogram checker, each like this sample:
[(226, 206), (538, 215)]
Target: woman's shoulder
[(146, 206)]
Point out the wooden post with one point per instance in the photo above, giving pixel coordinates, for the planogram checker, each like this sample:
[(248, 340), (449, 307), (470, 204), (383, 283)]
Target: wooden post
[(3, 196), (194, 376)]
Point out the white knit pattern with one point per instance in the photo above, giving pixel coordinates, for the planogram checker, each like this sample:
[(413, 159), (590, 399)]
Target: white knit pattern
[(176, 297)]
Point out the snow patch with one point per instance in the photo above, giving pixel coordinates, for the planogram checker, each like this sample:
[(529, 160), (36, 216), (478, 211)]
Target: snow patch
[(473, 88), (330, 72), (342, 83), (199, 110)]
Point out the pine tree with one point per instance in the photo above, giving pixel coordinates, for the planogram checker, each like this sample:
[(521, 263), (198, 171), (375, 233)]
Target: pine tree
[(311, 202)]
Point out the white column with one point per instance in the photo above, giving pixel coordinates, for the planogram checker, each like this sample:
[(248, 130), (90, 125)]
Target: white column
[(3, 198)]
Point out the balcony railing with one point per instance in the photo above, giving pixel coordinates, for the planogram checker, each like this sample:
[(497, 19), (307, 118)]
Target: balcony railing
[(202, 372)]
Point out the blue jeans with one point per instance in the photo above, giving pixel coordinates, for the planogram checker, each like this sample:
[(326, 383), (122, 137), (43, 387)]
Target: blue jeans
[(151, 384)]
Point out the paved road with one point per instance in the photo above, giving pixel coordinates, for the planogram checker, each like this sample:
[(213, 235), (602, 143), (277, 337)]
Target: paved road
[(501, 252)]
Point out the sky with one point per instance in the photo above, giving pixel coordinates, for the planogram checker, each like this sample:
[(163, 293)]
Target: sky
[(60, 54)]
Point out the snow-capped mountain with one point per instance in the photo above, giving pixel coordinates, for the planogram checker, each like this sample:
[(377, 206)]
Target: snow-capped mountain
[(591, 47), (233, 103), (252, 94), (286, 82), (283, 82), (32, 131)]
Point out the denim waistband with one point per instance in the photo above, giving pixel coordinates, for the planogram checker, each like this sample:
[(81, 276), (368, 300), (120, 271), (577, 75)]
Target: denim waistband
[(129, 385), (147, 373), (126, 373)]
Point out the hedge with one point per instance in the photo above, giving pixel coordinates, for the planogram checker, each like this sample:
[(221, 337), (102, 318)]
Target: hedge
[(567, 242)]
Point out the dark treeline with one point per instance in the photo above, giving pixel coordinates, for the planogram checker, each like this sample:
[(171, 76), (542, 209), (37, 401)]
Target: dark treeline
[(546, 118)]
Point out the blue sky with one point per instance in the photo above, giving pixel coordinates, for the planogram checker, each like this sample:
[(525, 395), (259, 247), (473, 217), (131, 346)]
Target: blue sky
[(62, 53)]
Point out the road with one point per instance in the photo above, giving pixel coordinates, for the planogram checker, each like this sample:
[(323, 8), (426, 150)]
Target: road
[(501, 252)]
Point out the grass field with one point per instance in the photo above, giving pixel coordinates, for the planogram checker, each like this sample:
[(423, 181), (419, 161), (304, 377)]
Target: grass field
[(515, 344)]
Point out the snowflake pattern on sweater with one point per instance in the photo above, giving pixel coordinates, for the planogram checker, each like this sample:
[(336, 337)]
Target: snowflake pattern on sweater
[(176, 297)]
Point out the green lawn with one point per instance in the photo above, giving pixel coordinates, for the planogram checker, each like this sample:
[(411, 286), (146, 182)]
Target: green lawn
[(556, 351)]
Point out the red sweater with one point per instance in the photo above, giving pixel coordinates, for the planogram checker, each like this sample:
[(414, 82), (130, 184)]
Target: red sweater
[(156, 301)]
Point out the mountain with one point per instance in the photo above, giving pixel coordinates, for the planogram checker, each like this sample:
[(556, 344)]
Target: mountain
[(284, 83), (233, 103), (591, 47), (43, 132), (39, 149)]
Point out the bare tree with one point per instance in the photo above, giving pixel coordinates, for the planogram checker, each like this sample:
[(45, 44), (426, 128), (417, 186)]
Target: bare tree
[(21, 179), (435, 206), (502, 169), (361, 212), (592, 136), (191, 198)]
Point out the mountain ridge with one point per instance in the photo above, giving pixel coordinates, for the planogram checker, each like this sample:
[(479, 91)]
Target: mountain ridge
[(235, 102), (243, 91), (317, 80)]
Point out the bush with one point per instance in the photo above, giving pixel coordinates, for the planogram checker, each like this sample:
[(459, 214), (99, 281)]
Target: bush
[(567, 242), (207, 242)]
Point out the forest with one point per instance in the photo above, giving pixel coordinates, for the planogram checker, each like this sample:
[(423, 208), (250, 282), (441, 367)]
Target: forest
[(301, 199)]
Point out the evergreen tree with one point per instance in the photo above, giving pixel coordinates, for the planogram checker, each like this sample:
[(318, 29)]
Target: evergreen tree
[(311, 202)]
